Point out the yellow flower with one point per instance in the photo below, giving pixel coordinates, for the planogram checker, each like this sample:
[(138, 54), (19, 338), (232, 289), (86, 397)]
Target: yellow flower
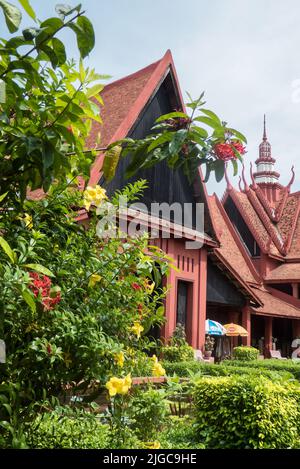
[(93, 195), (152, 445), (154, 358), (137, 329), (119, 358), (27, 219), (94, 278), (150, 287), (158, 370), (118, 385)]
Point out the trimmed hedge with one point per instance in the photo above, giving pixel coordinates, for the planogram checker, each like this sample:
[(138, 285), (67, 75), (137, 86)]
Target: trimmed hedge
[(273, 365), (245, 353), (177, 353), (80, 431), (247, 412), (185, 369)]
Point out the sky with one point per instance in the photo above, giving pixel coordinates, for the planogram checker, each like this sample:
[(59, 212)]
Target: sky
[(245, 55)]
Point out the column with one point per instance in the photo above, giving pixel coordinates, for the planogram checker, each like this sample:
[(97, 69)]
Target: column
[(202, 282), (234, 317), (171, 298), (246, 323), (295, 290), (268, 335), (296, 328)]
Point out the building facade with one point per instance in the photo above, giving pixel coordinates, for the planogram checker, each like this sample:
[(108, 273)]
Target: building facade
[(247, 266)]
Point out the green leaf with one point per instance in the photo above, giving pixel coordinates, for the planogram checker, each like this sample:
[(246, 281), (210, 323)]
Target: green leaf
[(212, 115), (165, 137), (172, 115), (2, 91), (39, 268), (12, 15), (208, 121), (208, 171), (235, 167), (2, 197), (30, 33), (177, 141), (28, 297), (7, 249), (85, 35), (96, 89), (219, 167), (111, 161), (28, 8), (238, 134), (59, 50), (64, 10)]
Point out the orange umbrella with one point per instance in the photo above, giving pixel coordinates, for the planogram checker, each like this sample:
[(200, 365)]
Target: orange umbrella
[(234, 330)]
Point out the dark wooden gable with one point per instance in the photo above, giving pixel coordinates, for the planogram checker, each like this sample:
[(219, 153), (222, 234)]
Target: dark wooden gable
[(241, 227), (220, 290), (165, 185)]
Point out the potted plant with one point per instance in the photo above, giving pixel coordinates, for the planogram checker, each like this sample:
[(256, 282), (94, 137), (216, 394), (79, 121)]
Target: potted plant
[(208, 346)]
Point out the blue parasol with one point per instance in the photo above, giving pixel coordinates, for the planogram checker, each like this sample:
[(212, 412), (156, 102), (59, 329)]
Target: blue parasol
[(214, 328)]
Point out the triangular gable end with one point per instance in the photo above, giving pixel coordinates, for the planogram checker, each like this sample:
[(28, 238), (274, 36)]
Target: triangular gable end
[(159, 94)]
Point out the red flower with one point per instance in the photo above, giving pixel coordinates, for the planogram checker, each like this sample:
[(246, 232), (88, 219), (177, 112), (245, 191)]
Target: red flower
[(140, 309), (136, 286), (41, 285), (49, 349), (224, 151), (239, 147)]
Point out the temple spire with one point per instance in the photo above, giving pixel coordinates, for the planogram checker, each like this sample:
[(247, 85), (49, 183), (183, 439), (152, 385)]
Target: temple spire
[(265, 172), (265, 132)]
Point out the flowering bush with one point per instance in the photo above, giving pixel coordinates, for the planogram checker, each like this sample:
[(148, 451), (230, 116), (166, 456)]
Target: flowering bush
[(96, 319)]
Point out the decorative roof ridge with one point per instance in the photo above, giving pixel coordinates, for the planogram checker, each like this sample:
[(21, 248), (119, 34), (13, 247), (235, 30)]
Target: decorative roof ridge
[(265, 203), (141, 101), (281, 205), (293, 228), (263, 244), (266, 221), (237, 239)]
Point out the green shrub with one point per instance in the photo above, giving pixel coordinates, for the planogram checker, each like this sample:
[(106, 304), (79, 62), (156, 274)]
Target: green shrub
[(186, 369), (78, 430), (178, 350), (247, 412), (175, 353), (273, 365), (245, 353), (179, 433), (147, 411)]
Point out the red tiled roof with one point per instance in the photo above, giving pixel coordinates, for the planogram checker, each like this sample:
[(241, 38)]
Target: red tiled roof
[(253, 221), (231, 247), (285, 272), (294, 251), (118, 98), (124, 100), (274, 306)]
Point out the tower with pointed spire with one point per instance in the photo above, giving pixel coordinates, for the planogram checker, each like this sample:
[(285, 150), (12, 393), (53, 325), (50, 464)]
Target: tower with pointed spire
[(266, 176)]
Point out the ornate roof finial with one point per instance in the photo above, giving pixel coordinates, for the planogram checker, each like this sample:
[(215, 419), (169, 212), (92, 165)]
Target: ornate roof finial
[(240, 184), (229, 186), (265, 132), (292, 179), (244, 179), (252, 177)]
